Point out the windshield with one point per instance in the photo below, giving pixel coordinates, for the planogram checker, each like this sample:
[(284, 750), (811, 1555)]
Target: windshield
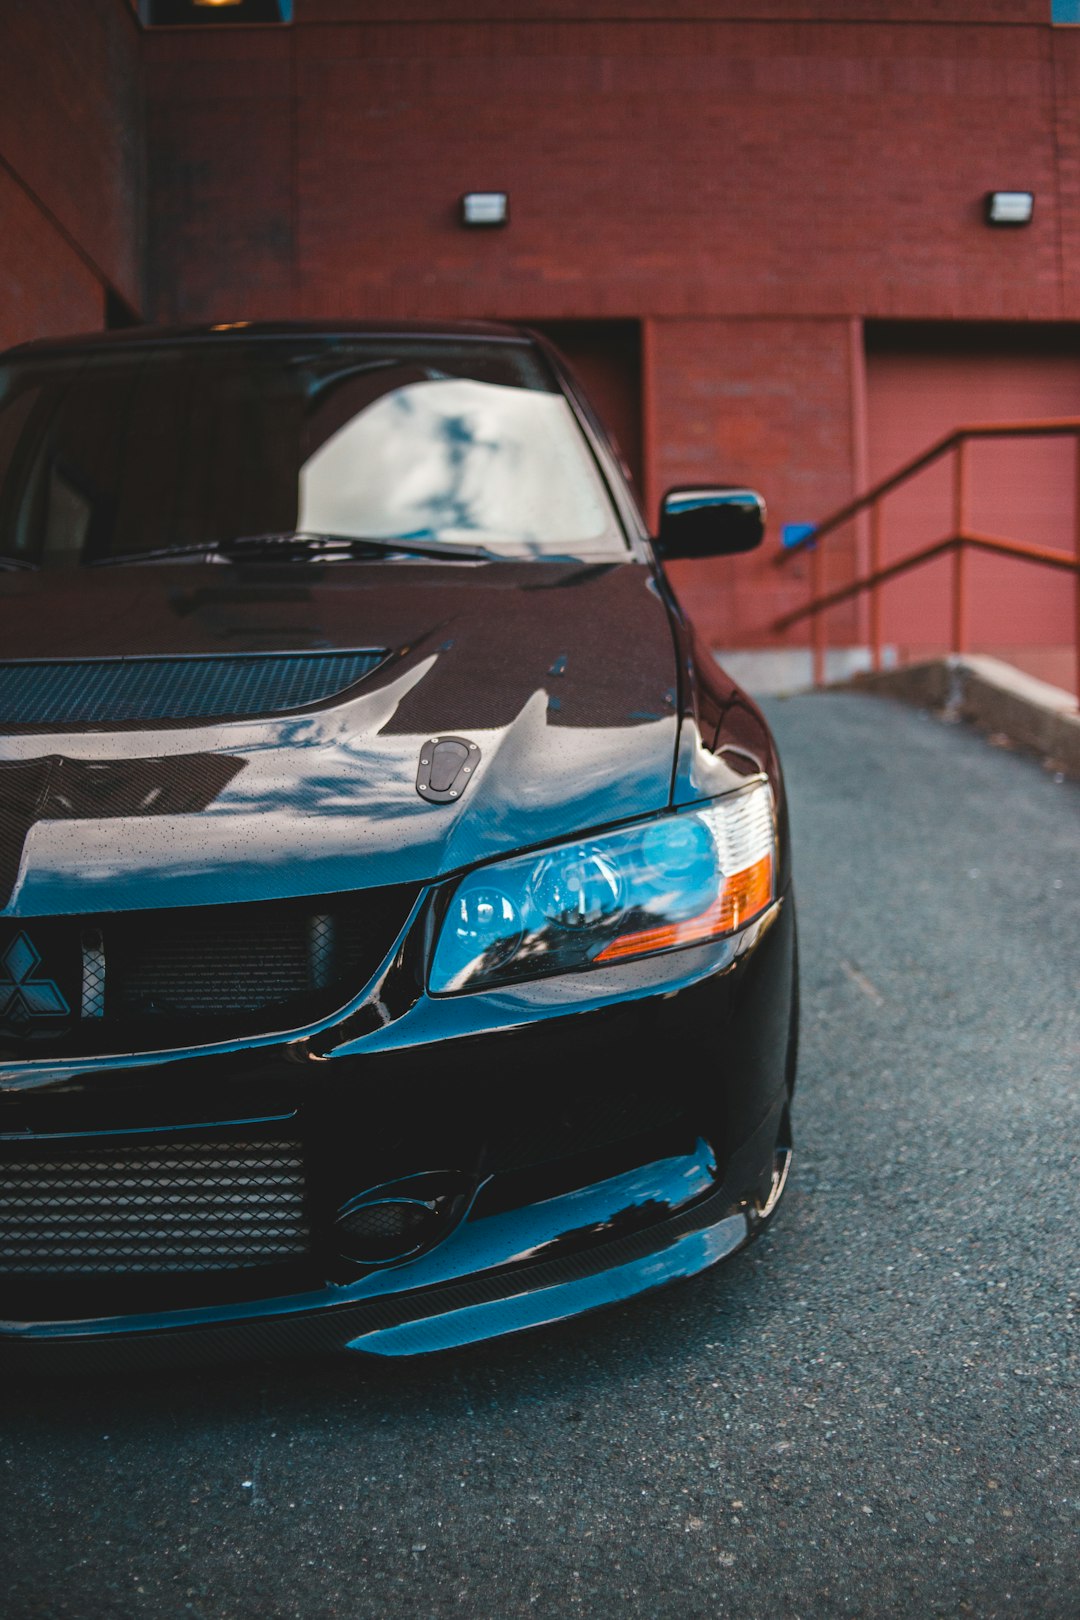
[(188, 445)]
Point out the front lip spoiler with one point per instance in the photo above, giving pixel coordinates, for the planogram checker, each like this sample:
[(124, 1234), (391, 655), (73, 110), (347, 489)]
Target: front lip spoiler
[(554, 1300), (412, 1323)]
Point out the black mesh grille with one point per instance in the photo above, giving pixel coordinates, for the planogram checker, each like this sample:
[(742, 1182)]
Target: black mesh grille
[(386, 1222), (206, 967), (145, 981), (193, 1206), (84, 692)]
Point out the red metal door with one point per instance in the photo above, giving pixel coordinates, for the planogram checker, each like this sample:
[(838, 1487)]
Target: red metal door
[(921, 382)]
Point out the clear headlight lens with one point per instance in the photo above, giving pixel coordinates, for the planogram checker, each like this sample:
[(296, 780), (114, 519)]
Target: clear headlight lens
[(679, 879)]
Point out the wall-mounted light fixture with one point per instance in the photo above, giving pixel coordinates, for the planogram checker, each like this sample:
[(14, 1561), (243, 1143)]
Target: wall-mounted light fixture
[(485, 208), (1009, 207), (201, 13)]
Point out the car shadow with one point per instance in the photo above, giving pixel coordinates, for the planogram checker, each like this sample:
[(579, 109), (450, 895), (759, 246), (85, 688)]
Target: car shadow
[(699, 1326)]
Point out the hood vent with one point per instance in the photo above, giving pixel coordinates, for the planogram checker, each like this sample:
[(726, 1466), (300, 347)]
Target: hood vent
[(88, 692)]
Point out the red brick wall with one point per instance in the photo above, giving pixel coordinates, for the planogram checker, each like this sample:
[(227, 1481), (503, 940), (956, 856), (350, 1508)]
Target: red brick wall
[(984, 11), (748, 187), (221, 120), (690, 168), (46, 287), (747, 180), (70, 164), (766, 403)]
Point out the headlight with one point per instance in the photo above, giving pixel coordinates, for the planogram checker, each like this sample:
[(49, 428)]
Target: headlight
[(678, 879)]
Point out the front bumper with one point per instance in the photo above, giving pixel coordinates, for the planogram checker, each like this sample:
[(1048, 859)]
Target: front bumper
[(683, 1073), (405, 1322)]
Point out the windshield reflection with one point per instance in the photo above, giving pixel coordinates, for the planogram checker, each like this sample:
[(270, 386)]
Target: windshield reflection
[(456, 459), (110, 453)]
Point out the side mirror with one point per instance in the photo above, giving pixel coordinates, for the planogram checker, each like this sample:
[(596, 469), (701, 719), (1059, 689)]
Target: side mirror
[(709, 522)]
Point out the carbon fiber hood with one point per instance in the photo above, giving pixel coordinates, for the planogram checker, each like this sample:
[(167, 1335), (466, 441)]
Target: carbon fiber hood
[(563, 675)]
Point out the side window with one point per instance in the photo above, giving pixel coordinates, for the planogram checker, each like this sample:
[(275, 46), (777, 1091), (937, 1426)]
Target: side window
[(68, 512), (1065, 11), (14, 418)]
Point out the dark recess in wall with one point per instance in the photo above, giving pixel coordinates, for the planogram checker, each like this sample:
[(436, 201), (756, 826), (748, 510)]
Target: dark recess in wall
[(606, 357), (118, 312)]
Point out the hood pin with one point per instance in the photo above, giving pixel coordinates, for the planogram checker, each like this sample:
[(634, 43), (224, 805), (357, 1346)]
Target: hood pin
[(446, 765)]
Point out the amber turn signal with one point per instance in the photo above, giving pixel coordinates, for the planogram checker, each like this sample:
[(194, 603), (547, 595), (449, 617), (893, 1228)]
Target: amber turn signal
[(742, 897)]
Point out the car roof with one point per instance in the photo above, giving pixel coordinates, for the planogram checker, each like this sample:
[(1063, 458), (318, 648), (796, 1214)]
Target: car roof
[(223, 331)]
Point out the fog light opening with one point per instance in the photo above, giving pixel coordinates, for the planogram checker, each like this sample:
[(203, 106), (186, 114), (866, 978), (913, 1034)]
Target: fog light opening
[(389, 1230), (401, 1219)]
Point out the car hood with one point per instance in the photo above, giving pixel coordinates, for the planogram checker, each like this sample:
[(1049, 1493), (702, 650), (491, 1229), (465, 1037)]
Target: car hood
[(562, 673)]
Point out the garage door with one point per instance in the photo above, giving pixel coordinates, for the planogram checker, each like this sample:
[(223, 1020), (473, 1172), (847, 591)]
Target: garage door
[(923, 381)]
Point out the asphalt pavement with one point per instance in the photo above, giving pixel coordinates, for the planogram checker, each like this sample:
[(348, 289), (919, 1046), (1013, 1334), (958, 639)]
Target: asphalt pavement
[(874, 1411)]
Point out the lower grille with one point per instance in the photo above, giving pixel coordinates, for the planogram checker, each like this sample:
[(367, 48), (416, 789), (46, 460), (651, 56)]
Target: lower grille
[(185, 1207)]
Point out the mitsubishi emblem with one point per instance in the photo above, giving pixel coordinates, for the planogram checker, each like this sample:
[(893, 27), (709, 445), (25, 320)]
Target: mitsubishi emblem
[(24, 996)]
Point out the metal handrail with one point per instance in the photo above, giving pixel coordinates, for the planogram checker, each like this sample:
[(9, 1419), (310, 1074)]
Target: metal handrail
[(957, 543)]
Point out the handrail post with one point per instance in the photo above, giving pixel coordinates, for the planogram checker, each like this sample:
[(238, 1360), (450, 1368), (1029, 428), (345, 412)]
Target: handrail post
[(959, 571), (1076, 582), (875, 590), (816, 567)]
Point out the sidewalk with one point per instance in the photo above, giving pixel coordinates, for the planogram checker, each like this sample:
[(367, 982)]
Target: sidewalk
[(1009, 706)]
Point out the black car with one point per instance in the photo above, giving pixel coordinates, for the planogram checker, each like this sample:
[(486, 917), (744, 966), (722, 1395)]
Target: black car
[(397, 940)]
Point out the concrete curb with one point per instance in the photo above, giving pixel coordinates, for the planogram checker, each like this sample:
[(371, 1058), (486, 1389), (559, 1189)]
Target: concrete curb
[(995, 697)]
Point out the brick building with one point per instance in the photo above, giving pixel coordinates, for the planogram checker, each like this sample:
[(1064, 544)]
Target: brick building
[(756, 226)]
